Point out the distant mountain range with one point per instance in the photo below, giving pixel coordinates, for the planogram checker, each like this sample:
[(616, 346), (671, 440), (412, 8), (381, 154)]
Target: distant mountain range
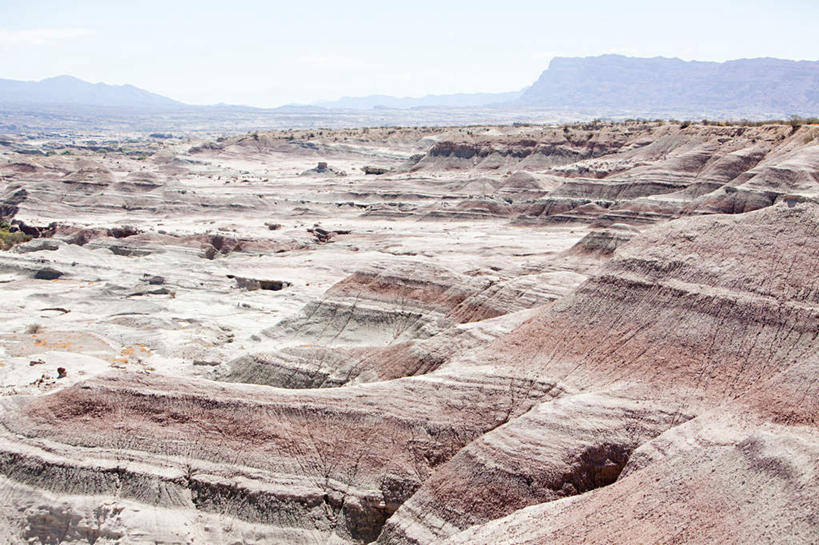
[(70, 90), (616, 83), (603, 86)]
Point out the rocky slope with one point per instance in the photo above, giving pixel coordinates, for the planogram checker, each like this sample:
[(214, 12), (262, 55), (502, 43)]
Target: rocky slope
[(695, 319)]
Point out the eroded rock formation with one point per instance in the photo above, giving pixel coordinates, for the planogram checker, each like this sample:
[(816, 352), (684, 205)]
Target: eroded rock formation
[(585, 334)]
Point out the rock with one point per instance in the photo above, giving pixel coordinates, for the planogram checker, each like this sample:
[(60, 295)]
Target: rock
[(129, 251), (205, 147), (376, 171), (37, 245), (322, 169), (48, 273), (157, 291), (154, 280), (210, 252), (61, 372), (323, 236), (273, 285), (61, 310), (602, 242), (36, 231), (10, 205), (224, 244), (80, 237), (123, 231), (252, 284)]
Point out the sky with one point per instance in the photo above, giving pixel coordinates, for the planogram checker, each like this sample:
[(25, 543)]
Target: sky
[(269, 53)]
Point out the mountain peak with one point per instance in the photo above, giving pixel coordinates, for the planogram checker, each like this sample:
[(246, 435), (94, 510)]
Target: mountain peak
[(63, 78)]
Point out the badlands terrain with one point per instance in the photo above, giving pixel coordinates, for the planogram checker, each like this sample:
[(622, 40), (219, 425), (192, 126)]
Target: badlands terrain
[(594, 333)]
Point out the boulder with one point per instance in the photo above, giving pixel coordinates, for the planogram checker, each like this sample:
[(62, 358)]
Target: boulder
[(48, 273)]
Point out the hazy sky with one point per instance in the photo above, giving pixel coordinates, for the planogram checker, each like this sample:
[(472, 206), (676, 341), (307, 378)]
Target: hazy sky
[(268, 53)]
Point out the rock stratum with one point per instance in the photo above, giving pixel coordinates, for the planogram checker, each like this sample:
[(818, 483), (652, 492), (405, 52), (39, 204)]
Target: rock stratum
[(596, 333)]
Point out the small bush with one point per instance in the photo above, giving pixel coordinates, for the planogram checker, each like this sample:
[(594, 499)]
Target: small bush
[(33, 329), (9, 239)]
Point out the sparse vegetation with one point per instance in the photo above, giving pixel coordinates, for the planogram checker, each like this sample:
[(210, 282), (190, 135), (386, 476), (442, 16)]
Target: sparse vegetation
[(33, 329), (792, 121), (10, 238)]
